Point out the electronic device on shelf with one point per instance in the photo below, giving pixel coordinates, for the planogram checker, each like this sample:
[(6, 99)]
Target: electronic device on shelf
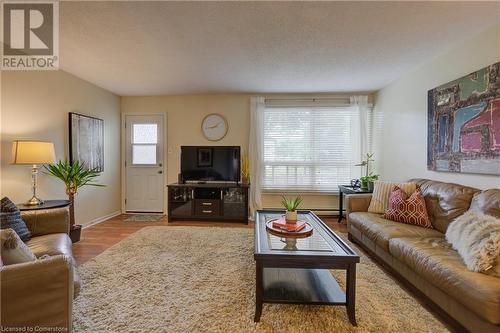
[(204, 164)]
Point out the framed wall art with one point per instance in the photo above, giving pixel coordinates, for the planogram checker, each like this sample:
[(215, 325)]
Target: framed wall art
[(86, 135), (464, 124)]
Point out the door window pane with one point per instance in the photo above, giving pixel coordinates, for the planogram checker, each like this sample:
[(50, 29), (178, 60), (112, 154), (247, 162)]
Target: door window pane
[(144, 133), (143, 154)]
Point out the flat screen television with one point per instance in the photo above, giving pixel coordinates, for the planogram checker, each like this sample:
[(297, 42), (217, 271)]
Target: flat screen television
[(210, 163)]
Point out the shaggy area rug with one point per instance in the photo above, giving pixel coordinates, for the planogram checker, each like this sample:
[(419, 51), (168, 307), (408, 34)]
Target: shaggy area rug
[(197, 279)]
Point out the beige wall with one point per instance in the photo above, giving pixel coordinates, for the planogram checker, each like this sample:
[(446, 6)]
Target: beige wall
[(404, 106), (184, 115), (35, 105)]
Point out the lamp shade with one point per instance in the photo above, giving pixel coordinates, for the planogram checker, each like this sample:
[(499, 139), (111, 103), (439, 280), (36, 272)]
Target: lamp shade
[(32, 152)]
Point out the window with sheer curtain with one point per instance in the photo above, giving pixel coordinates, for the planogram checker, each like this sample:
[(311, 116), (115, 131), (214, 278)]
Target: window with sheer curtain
[(311, 148)]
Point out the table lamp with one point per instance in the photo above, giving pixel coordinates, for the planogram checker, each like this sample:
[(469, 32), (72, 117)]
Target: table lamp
[(33, 153)]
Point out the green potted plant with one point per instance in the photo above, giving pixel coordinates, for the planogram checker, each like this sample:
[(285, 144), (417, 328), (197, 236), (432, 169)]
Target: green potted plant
[(291, 205), (74, 176), (367, 180)]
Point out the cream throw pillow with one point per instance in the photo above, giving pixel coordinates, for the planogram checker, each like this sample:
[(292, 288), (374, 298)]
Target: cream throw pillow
[(381, 191), (476, 237), (13, 250)]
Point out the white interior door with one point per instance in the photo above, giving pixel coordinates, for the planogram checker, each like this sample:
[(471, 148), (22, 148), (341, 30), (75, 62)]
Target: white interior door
[(144, 164)]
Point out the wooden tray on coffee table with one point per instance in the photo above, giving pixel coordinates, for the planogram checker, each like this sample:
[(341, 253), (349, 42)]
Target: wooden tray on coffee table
[(302, 233)]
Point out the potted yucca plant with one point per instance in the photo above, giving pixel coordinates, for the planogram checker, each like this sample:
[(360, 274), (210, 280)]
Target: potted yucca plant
[(73, 175), (291, 205)]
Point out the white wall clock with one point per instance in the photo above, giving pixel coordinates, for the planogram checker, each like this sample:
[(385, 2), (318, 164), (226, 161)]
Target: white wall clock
[(214, 127)]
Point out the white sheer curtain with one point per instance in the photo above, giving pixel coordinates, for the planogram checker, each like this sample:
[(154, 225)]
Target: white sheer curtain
[(255, 147), (359, 133)]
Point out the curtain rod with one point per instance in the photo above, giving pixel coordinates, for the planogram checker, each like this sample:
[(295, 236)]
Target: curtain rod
[(314, 99), (277, 103)]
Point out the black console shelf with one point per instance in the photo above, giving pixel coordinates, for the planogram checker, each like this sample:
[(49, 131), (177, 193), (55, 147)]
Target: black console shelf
[(208, 201)]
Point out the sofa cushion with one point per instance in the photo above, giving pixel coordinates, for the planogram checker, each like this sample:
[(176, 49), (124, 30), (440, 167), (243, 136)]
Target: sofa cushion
[(380, 230), (487, 202), (12, 248), (381, 192), (10, 217), (434, 260), (476, 238), (51, 244), (47, 221), (407, 209), (445, 201)]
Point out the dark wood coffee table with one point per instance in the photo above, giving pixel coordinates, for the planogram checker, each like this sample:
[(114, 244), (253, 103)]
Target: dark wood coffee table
[(296, 270)]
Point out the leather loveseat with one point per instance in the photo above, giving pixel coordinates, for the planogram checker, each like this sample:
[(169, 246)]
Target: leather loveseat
[(423, 259), (38, 295)]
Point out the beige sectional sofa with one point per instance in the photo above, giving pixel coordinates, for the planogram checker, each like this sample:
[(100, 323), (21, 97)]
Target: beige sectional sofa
[(39, 295), (423, 259)]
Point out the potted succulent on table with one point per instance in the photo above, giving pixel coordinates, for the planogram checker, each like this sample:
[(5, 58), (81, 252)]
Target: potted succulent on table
[(74, 176), (291, 205)]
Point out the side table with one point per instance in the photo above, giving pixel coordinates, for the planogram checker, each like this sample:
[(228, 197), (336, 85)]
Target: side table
[(47, 204), (348, 189)]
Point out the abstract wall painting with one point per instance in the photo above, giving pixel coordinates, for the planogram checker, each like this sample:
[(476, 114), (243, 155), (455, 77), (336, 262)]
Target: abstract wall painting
[(464, 124), (86, 141)]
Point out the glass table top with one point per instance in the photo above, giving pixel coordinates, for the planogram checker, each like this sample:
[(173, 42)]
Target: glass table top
[(316, 242)]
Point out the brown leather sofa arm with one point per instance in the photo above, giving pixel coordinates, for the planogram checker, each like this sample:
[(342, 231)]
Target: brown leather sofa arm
[(357, 203), (37, 294), (47, 221)]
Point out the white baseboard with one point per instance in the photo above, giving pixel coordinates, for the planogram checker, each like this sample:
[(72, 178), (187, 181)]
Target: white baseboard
[(142, 213), (102, 219)]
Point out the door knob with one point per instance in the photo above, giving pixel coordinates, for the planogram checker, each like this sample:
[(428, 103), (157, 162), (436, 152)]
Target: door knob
[(160, 171)]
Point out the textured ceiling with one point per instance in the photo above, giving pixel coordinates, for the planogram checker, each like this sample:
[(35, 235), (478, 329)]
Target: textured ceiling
[(156, 48)]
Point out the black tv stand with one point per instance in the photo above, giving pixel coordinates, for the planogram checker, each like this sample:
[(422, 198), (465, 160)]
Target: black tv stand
[(208, 201)]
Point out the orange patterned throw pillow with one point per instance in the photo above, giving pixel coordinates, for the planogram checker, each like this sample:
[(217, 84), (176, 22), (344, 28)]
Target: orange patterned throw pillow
[(410, 210)]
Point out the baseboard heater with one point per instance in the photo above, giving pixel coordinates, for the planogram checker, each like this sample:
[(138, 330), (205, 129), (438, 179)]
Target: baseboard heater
[(320, 211)]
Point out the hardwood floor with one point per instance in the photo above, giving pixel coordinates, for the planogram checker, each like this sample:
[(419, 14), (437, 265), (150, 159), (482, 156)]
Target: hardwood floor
[(97, 238)]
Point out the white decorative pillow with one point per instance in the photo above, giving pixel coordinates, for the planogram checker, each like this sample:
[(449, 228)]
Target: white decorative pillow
[(13, 249), (476, 237), (381, 191)]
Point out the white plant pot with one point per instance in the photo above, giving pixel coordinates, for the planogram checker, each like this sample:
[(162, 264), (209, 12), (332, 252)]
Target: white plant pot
[(291, 217)]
